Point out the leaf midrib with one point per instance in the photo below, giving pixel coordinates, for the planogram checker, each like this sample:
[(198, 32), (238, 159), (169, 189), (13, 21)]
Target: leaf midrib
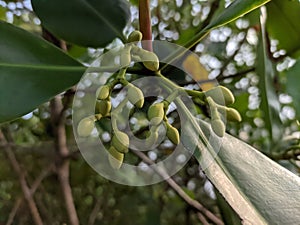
[(44, 67)]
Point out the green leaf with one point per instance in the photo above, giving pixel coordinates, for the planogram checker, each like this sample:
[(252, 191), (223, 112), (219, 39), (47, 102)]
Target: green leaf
[(235, 10), (90, 23), (31, 71), (293, 84), (269, 105), (283, 24), (258, 189), (228, 214)]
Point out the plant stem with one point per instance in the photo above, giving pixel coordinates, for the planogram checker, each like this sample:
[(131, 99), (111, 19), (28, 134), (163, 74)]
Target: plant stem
[(22, 179), (145, 24), (192, 202)]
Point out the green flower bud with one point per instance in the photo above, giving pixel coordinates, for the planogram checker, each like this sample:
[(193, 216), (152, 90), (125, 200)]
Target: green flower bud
[(221, 95), (149, 59), (173, 134), (156, 113), (103, 92), (103, 107), (135, 96), (115, 158), (85, 127), (134, 36), (233, 115), (218, 127), (120, 141)]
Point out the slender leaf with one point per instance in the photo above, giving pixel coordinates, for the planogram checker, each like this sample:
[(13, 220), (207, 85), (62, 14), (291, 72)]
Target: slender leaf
[(31, 71), (258, 189), (235, 10), (228, 214), (283, 24), (270, 105), (90, 23), (293, 84)]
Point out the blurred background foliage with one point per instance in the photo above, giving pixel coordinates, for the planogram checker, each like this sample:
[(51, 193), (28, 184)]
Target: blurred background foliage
[(230, 54)]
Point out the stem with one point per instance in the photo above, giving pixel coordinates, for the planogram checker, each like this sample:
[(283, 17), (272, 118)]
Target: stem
[(192, 202), (22, 179), (62, 151), (60, 141), (145, 24)]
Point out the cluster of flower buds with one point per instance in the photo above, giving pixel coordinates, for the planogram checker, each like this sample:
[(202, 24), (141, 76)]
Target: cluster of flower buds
[(217, 98)]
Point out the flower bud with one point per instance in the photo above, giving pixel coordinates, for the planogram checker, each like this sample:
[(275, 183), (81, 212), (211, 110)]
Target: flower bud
[(103, 92), (115, 158), (233, 115), (103, 107), (156, 113), (135, 96), (134, 36), (173, 134), (85, 127), (149, 59), (120, 141), (218, 127), (221, 95)]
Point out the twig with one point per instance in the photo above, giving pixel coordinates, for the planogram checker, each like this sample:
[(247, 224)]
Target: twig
[(202, 219), (195, 204), (14, 211), (21, 175), (95, 210), (40, 178)]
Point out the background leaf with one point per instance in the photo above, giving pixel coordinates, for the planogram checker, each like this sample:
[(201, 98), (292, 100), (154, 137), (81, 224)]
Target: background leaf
[(90, 23), (235, 10), (258, 189), (283, 24), (293, 84), (269, 105), (31, 71)]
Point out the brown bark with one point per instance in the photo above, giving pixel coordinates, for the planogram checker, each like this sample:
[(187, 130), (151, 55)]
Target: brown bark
[(62, 164), (62, 161)]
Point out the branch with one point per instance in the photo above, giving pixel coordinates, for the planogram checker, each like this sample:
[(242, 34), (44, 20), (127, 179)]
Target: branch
[(14, 211), (21, 175), (202, 219), (40, 178), (60, 141), (95, 210), (195, 204), (62, 151)]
